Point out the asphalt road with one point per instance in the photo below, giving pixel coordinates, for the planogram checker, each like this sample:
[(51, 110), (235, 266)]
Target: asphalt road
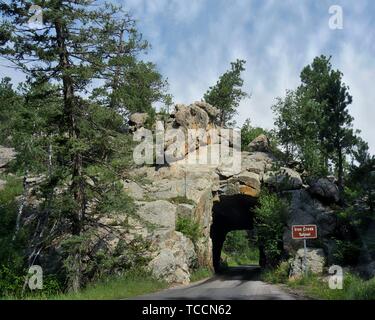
[(238, 283)]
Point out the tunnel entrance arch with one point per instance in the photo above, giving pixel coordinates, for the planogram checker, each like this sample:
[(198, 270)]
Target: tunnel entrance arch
[(230, 213)]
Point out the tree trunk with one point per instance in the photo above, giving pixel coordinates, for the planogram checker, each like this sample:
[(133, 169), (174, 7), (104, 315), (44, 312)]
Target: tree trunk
[(77, 186), (70, 113), (21, 206), (340, 171)]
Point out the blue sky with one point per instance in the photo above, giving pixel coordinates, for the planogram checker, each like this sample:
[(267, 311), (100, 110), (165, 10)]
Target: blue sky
[(194, 41)]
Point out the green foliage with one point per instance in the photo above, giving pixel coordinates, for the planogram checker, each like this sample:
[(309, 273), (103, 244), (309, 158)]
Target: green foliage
[(12, 271), (129, 284), (354, 288), (116, 201), (362, 179), (11, 282), (104, 261), (249, 133), (280, 274), (137, 88), (236, 242), (296, 130), (189, 228), (133, 283), (67, 125), (347, 252), (313, 123), (270, 220), (13, 285), (238, 249), (227, 94), (200, 274)]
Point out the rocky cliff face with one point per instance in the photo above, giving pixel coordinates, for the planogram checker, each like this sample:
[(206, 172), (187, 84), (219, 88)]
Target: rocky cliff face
[(166, 193), (202, 186)]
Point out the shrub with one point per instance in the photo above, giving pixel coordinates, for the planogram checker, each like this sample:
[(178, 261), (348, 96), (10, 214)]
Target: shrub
[(359, 289), (270, 220), (278, 275), (346, 252), (189, 228), (200, 273)]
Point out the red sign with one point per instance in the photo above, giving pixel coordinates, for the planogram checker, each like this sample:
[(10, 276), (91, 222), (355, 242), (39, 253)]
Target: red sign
[(309, 231)]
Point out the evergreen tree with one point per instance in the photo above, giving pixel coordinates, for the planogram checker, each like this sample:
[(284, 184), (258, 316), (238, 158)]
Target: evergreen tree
[(138, 87), (227, 93), (313, 123), (76, 138), (324, 85)]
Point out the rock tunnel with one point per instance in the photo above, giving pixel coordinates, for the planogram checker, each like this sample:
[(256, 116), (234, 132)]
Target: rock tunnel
[(231, 212)]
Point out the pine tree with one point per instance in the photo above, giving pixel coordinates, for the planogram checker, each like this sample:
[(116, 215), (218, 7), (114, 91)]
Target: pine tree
[(324, 85), (76, 138), (227, 93)]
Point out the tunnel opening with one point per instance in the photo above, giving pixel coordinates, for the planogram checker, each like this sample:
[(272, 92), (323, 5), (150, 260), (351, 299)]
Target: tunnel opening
[(240, 249), (231, 213)]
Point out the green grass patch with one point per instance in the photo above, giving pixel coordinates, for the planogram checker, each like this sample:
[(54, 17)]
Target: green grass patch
[(200, 274), (277, 275), (130, 284), (248, 257), (313, 286), (189, 227), (12, 188)]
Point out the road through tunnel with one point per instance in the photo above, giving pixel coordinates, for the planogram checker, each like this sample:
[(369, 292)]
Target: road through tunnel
[(232, 212)]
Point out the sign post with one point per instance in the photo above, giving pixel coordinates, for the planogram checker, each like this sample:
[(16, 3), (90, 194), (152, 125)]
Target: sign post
[(303, 232)]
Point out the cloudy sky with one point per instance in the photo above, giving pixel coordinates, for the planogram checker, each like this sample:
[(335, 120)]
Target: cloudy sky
[(194, 42)]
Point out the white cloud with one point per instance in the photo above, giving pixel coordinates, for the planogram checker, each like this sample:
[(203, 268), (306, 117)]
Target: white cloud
[(194, 42)]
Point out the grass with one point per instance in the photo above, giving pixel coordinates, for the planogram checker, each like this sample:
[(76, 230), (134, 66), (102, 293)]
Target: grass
[(313, 286), (248, 257), (126, 286), (200, 274), (130, 284), (189, 227), (12, 189)]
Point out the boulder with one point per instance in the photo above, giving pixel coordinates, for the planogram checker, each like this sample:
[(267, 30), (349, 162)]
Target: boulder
[(260, 143), (160, 214), (174, 260), (247, 183), (326, 190), (284, 179), (210, 110), (185, 210), (258, 167), (138, 120), (261, 156), (191, 117), (134, 190), (315, 261), (249, 179), (166, 189), (6, 156)]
